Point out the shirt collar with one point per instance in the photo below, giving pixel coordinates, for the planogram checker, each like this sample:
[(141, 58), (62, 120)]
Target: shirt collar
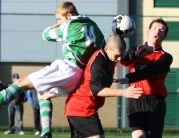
[(159, 47)]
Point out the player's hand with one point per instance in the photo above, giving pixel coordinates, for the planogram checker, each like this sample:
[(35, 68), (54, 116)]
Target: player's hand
[(46, 95), (145, 50), (132, 92), (121, 81), (55, 25)]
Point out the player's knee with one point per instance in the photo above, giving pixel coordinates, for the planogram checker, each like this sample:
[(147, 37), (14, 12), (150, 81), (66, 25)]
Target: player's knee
[(96, 136), (138, 134), (23, 82)]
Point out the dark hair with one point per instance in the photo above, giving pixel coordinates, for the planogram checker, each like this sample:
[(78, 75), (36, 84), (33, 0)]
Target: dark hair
[(15, 76), (162, 22)]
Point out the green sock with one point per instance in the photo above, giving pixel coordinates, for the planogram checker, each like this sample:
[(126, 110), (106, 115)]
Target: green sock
[(45, 114), (9, 94)]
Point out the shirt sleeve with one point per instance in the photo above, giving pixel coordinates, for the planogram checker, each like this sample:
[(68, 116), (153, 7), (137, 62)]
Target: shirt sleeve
[(52, 34), (56, 34), (129, 57), (158, 67), (101, 76)]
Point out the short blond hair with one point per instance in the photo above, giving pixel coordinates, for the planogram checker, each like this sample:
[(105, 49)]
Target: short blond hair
[(66, 7)]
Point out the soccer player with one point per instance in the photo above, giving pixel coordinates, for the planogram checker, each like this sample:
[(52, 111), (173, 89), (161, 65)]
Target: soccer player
[(148, 65), (82, 38), (82, 105)]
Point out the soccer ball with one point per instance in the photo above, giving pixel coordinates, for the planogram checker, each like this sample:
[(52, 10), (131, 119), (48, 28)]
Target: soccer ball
[(123, 25)]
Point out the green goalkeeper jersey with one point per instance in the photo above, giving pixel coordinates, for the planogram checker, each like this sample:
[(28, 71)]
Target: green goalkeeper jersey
[(82, 38)]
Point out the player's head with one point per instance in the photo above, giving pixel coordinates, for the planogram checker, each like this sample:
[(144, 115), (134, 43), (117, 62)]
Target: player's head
[(161, 21), (15, 77), (157, 32), (115, 47), (64, 11)]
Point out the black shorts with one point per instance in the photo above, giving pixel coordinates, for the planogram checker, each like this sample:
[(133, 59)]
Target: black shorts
[(147, 113), (85, 126)]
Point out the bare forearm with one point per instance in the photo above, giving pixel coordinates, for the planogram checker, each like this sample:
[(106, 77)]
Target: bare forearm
[(109, 92), (129, 92)]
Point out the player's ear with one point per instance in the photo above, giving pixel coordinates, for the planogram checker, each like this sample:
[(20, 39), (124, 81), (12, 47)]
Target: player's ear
[(69, 15), (165, 36), (148, 30), (106, 47)]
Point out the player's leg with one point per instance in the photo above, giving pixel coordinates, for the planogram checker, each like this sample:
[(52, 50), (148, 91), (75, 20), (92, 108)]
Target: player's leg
[(157, 117), (42, 80), (37, 121), (79, 128), (66, 78), (11, 118), (57, 74), (138, 134), (14, 90), (137, 118), (96, 136), (62, 79), (19, 113), (137, 125), (67, 83), (46, 108)]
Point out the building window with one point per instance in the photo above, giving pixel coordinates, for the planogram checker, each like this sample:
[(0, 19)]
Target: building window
[(172, 80), (166, 3), (173, 31)]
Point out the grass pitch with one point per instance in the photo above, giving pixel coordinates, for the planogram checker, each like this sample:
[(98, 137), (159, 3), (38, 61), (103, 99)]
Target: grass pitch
[(65, 133)]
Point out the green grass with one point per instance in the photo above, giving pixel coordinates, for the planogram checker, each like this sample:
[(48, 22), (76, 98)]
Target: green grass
[(65, 133)]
